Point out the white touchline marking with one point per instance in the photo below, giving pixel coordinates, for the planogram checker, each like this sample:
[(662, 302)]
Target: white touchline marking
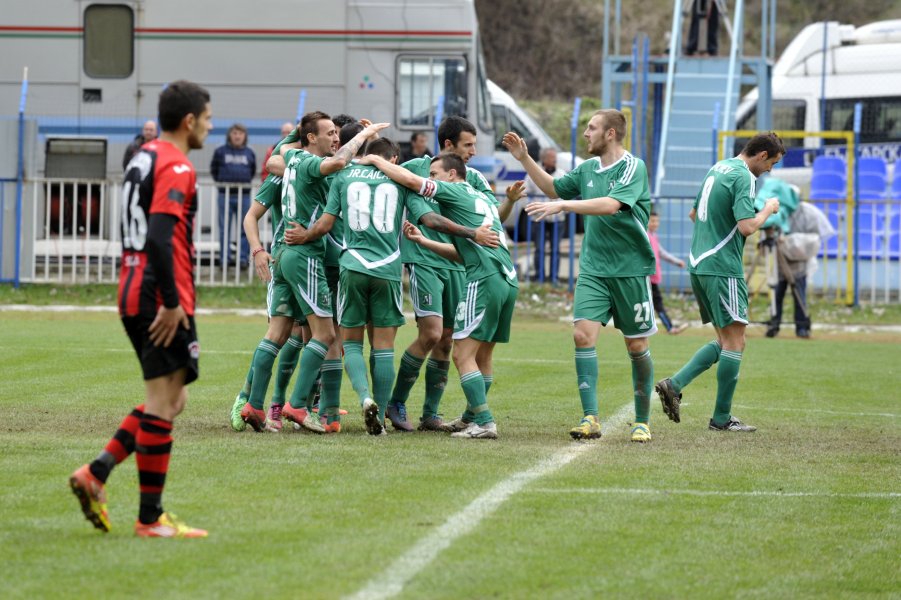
[(392, 579), (749, 494), (814, 410)]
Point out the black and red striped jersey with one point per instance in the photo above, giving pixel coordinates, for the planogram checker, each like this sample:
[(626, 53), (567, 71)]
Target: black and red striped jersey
[(159, 179)]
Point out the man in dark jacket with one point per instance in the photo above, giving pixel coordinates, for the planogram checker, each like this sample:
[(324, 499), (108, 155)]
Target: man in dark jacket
[(148, 134), (233, 163)]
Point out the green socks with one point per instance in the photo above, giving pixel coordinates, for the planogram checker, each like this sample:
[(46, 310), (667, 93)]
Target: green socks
[(488, 379), (700, 362), (310, 362), (330, 401), (435, 382), (407, 375), (382, 377), (726, 380), (356, 369), (587, 378), (287, 362), (476, 402), (263, 359), (642, 382)]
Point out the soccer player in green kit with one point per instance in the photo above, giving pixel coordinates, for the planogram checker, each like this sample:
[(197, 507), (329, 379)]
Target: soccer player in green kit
[(485, 312), (304, 194), (723, 216), (369, 287), (283, 337), (436, 286), (616, 261)]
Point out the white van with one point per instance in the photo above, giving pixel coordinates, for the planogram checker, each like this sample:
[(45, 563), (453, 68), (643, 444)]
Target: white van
[(863, 64)]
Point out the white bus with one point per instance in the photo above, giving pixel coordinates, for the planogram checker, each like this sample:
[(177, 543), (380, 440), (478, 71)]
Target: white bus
[(95, 67), (863, 64)]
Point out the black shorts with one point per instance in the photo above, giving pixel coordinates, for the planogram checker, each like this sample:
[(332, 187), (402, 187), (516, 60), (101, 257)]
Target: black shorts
[(156, 361)]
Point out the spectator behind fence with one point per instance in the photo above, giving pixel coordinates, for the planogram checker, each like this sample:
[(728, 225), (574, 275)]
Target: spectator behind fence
[(542, 232), (233, 163), (660, 253), (418, 147), (148, 134), (796, 234), (709, 11), (287, 127)]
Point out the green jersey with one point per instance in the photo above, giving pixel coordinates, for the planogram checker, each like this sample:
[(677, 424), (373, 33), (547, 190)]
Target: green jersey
[(270, 196), (373, 209), (416, 254), (726, 197), (304, 194), (615, 245), (469, 207)]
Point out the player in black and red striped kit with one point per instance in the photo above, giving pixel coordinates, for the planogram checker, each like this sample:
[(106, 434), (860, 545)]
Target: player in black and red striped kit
[(156, 304)]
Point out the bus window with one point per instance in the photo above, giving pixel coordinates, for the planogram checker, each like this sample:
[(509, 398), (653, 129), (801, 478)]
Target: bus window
[(484, 103), (501, 124), (787, 115), (108, 41), (422, 81)]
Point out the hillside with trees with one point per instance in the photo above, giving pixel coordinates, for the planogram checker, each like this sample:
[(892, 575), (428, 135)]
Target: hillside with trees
[(551, 49)]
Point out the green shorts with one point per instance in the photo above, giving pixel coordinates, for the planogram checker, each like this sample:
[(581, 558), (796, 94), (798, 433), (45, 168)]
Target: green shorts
[(363, 298), (306, 277), (280, 301), (435, 292), (485, 313), (626, 299), (722, 300)]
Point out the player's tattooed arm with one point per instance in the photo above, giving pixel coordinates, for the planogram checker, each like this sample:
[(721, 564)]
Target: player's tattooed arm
[(484, 236), (394, 172), (346, 152)]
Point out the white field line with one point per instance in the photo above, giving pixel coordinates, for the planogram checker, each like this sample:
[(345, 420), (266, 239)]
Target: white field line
[(393, 578), (739, 494), (815, 410)]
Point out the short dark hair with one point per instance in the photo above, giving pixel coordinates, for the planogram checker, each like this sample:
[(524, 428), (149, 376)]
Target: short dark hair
[(415, 135), (384, 147), (767, 142), (343, 119), (310, 124), (452, 127), (180, 99), (449, 161), (654, 213), (614, 119), (349, 132)]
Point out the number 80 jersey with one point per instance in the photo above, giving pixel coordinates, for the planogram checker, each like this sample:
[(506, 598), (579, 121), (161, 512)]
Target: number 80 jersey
[(159, 179), (373, 210)]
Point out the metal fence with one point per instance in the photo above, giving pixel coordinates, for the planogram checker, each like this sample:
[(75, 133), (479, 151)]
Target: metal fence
[(71, 234)]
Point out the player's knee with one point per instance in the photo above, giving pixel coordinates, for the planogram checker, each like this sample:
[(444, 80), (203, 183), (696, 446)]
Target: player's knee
[(430, 337), (582, 339)]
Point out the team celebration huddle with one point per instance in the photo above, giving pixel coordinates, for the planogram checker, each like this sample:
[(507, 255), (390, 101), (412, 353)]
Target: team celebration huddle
[(348, 220)]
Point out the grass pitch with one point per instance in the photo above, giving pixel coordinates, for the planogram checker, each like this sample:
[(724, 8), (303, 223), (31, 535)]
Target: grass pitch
[(808, 506)]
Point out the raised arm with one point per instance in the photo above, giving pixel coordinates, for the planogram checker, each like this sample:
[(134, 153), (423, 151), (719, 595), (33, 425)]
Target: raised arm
[(346, 152), (517, 147), (515, 191)]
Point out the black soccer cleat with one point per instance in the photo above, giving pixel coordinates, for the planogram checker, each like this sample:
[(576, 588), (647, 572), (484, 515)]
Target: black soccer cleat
[(732, 424), (669, 399)]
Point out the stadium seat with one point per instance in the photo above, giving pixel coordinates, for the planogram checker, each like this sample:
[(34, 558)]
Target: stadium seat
[(873, 165), (827, 186), (896, 181), (871, 186), (894, 246), (830, 164), (871, 217)]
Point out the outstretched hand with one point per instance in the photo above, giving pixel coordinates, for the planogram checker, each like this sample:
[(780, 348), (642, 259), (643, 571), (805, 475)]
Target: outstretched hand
[(515, 145), (412, 232), (516, 190), (542, 210)]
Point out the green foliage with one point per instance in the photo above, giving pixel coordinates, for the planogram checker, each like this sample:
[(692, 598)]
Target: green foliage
[(805, 507)]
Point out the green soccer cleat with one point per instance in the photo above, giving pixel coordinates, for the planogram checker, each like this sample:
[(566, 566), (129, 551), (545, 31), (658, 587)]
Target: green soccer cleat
[(641, 433), (237, 422), (587, 429)]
